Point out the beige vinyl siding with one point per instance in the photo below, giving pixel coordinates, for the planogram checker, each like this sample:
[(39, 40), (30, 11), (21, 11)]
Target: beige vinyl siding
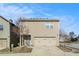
[(5, 33), (39, 29)]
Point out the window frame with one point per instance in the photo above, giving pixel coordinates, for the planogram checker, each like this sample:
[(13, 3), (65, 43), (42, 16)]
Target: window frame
[(49, 26), (1, 27)]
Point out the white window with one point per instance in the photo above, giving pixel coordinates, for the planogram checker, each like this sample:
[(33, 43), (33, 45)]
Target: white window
[(49, 26)]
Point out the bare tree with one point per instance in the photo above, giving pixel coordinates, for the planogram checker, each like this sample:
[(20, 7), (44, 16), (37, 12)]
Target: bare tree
[(63, 36), (24, 30)]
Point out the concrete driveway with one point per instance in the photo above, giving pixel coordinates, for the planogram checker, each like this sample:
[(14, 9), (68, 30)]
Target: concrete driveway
[(54, 51)]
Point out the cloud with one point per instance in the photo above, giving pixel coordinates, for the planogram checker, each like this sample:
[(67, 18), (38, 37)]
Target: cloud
[(68, 23), (13, 12)]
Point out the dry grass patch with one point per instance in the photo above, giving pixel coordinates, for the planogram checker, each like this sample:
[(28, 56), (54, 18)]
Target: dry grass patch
[(22, 50), (16, 50), (65, 49)]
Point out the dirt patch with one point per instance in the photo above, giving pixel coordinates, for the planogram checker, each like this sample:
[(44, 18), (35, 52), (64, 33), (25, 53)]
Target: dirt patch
[(22, 50), (65, 49), (16, 50)]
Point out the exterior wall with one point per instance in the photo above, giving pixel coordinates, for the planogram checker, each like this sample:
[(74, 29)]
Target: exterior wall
[(39, 29), (5, 33), (45, 42)]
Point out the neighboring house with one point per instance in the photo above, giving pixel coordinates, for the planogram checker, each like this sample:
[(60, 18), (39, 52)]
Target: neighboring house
[(9, 34), (39, 32)]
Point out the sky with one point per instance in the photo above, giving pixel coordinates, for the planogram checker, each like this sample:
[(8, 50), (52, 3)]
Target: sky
[(67, 13)]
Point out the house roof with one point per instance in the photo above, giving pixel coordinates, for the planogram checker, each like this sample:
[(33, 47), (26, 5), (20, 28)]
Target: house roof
[(39, 20), (7, 21)]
